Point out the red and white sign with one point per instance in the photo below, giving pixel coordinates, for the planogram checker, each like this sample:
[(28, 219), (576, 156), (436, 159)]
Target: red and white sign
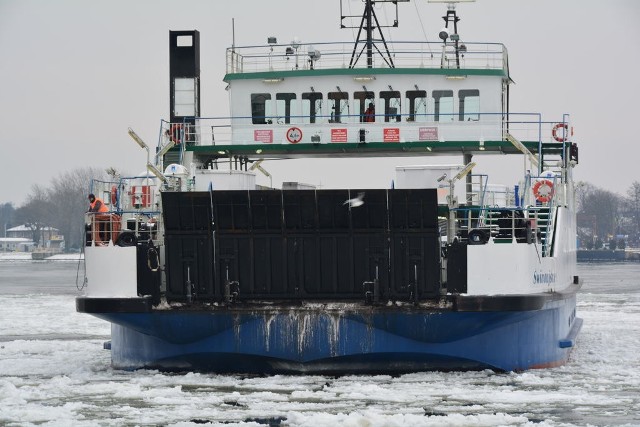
[(263, 135), (294, 135), (428, 134), (391, 135), (339, 135)]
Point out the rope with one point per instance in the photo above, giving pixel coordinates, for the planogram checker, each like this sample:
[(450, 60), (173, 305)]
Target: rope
[(82, 258)]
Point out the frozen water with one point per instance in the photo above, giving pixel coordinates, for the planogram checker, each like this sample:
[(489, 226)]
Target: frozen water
[(53, 371)]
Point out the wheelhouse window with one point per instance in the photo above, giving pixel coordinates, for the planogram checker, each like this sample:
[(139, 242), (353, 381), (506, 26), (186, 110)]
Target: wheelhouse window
[(259, 107), (338, 105), (391, 105), (284, 103), (362, 101), (311, 106), (443, 105), (417, 100), (469, 105)]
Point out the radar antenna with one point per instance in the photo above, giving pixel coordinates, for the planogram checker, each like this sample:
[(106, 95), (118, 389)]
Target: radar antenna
[(451, 18), (368, 24)]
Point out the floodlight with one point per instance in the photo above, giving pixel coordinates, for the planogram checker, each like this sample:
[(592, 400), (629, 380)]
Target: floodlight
[(257, 166), (151, 168), (164, 150), (465, 171), (137, 139)]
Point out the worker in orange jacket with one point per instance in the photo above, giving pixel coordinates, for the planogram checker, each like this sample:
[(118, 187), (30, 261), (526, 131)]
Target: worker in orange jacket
[(101, 219)]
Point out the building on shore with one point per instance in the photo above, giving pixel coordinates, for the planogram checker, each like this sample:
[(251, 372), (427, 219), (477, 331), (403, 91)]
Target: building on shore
[(45, 237), (16, 244)]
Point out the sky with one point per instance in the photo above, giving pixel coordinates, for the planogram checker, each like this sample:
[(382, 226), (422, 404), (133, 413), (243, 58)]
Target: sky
[(76, 74)]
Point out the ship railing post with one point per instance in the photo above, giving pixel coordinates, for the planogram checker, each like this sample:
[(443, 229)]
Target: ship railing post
[(93, 229)]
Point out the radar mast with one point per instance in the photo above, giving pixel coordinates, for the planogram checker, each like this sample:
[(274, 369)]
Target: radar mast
[(368, 24), (451, 33)]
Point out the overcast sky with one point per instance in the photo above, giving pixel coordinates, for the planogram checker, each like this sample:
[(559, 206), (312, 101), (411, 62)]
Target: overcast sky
[(75, 74)]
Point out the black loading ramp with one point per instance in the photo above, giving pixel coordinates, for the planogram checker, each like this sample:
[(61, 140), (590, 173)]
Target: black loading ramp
[(302, 245)]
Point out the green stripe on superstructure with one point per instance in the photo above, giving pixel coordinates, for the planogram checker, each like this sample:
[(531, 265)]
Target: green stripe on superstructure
[(454, 72), (426, 147)]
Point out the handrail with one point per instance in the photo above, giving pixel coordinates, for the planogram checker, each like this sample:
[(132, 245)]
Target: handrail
[(500, 224), (327, 55), (239, 130)]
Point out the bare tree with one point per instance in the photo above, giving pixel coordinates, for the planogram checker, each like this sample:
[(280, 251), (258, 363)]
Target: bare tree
[(68, 198), (633, 207), (61, 206), (599, 209), (631, 213), (36, 213), (583, 190)]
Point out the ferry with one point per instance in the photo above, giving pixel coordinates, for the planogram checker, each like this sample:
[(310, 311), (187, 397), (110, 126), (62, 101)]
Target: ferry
[(199, 267)]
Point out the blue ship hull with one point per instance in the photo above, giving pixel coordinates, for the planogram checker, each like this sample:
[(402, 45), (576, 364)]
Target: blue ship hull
[(344, 341)]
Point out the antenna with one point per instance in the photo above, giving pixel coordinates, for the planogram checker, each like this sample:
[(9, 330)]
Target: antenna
[(446, 33), (233, 34), (369, 22)]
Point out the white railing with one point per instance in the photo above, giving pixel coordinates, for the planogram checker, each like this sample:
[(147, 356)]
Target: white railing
[(404, 54), (224, 131), (133, 212)]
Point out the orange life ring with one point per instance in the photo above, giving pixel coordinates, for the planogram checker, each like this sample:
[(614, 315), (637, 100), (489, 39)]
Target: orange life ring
[(556, 134), (543, 190), (174, 133), (114, 195)]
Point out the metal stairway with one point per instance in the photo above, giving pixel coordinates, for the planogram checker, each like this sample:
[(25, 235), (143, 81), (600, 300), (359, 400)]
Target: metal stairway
[(551, 157), (541, 215)]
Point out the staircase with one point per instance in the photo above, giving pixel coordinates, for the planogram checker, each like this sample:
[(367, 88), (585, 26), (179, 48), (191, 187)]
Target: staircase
[(551, 157), (541, 215), (171, 157)]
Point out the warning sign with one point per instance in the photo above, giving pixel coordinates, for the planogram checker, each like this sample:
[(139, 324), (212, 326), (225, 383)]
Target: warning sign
[(391, 135), (263, 136), (428, 134), (338, 135), (294, 135)]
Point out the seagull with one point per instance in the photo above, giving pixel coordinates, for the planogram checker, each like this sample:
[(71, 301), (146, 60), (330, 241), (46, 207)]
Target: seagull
[(356, 201)]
